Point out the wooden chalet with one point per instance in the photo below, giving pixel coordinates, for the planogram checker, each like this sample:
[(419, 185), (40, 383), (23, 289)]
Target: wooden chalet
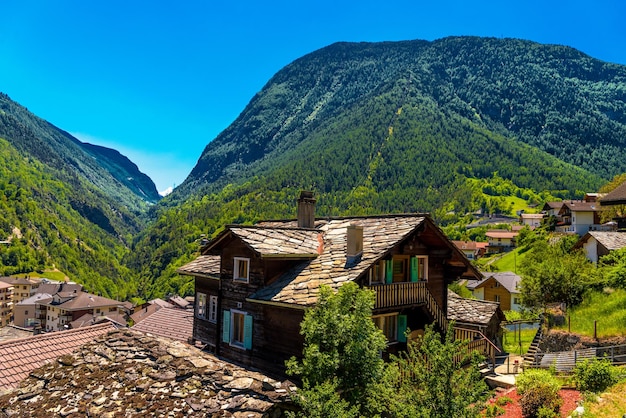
[(254, 283)]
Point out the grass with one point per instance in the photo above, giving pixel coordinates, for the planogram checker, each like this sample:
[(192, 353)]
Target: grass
[(613, 403), (503, 262), (516, 204), (511, 341), (48, 274), (605, 308)]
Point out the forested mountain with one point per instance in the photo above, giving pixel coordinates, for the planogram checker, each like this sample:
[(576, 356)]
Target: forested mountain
[(66, 204), (448, 127), (401, 127), (114, 174)]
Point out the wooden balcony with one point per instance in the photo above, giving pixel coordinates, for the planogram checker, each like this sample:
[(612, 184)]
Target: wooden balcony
[(408, 294), (399, 294)]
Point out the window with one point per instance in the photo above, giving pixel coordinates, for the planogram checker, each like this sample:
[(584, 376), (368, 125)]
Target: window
[(201, 305), (392, 325), (237, 329), (516, 301), (241, 269), (213, 308), (25, 312), (496, 298), (497, 284), (377, 272), (419, 268)]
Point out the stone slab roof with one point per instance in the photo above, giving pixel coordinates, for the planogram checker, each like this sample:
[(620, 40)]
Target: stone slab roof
[(470, 311), (616, 197), (204, 265), (176, 324), (509, 280), (611, 240), (276, 242), (300, 285), (21, 356), (4, 285), (129, 374)]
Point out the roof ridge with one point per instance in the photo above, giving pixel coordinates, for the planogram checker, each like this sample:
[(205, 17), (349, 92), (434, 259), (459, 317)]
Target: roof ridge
[(52, 335)]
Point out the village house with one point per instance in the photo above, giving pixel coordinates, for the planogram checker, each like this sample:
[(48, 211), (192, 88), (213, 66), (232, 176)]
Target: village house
[(473, 250), (473, 315), (577, 216), (64, 307), (502, 288), (6, 304), (500, 240), (23, 287), (24, 312), (254, 283), (616, 199), (532, 220), (599, 243)]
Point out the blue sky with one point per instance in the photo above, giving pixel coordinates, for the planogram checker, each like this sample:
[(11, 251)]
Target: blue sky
[(159, 80)]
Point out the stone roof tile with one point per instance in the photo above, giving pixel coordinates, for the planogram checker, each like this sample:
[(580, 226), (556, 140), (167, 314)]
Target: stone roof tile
[(470, 311), (332, 267), (204, 265)]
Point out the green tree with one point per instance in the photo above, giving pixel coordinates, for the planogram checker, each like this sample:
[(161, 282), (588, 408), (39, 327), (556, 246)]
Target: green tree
[(342, 349), (433, 378), (552, 272)]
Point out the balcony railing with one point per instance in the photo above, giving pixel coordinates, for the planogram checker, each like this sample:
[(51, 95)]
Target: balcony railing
[(406, 294), (399, 294)]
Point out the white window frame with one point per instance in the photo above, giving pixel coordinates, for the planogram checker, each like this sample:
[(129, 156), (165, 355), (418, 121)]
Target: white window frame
[(236, 263), (201, 305), (213, 308), (496, 298)]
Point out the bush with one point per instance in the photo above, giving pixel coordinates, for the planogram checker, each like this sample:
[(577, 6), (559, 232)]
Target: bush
[(539, 391), (595, 375)]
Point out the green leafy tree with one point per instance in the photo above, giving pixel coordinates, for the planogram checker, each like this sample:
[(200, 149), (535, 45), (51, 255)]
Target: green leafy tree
[(551, 272), (433, 378), (342, 347)]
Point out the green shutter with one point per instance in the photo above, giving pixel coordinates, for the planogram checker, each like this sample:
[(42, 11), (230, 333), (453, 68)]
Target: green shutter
[(226, 327), (413, 269), (388, 271), (247, 332), (402, 328)]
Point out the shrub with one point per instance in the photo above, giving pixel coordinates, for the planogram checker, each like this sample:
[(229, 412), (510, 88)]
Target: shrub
[(539, 391), (595, 375)]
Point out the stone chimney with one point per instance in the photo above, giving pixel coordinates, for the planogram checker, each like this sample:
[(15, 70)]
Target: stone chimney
[(306, 210), (355, 241)]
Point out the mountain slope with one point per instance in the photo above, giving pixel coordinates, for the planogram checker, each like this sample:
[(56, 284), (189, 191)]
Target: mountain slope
[(400, 127), (107, 169), (550, 97), (49, 223)]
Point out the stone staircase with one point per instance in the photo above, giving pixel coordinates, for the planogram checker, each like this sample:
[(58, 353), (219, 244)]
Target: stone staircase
[(531, 356)]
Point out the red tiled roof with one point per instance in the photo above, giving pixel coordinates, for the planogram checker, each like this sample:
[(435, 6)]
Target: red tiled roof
[(176, 324), (19, 357)]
